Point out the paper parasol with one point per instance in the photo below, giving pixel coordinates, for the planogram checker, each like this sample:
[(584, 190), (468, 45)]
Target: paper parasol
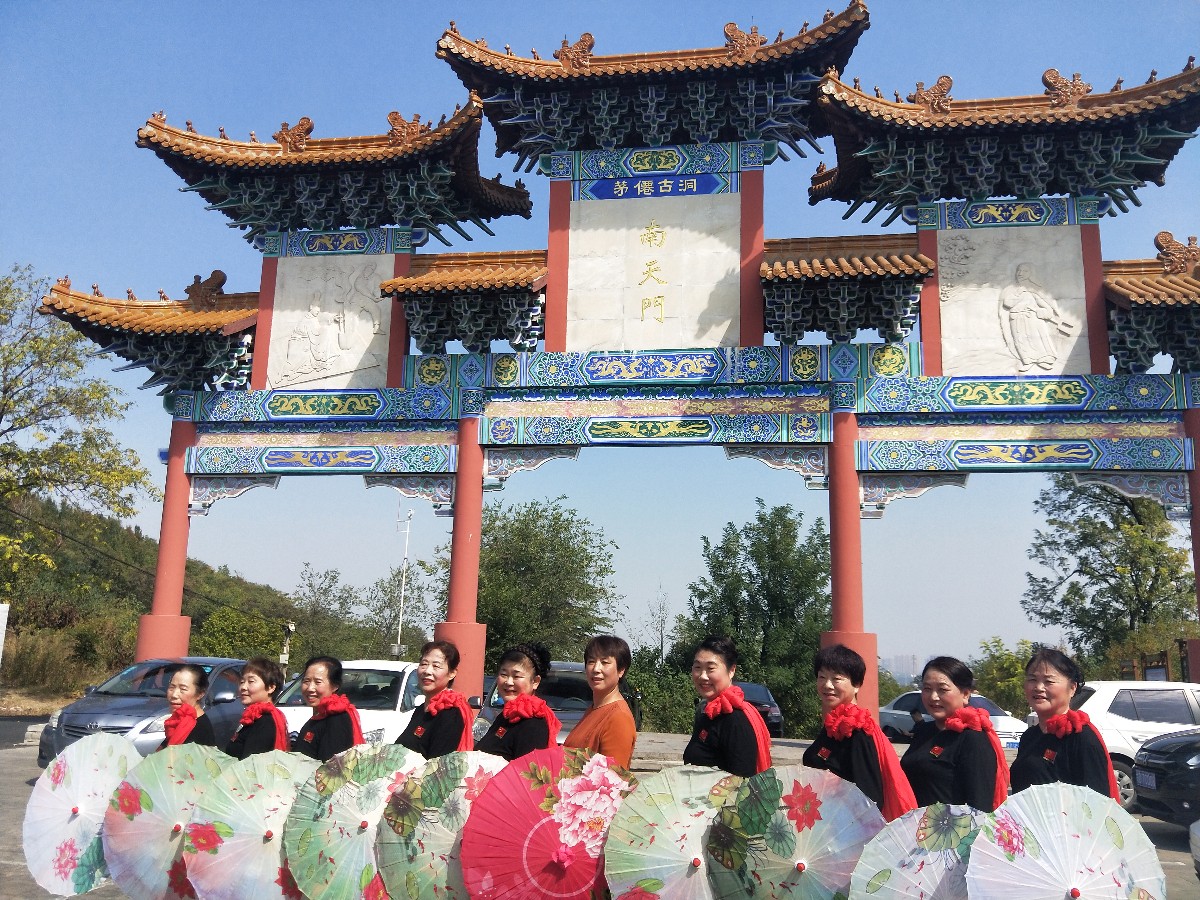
[(418, 847), (923, 853), (144, 824), (233, 847), (1059, 841), (61, 834), (656, 841), (331, 828), (790, 831), (538, 828)]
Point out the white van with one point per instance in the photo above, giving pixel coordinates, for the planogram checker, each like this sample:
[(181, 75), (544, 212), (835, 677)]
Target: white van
[(384, 691)]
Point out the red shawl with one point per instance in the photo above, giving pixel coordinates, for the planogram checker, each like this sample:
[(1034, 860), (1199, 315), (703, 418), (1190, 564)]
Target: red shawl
[(976, 719), (1074, 721), (180, 724), (531, 706), (339, 703), (848, 718), (256, 710), (447, 698), (734, 698)]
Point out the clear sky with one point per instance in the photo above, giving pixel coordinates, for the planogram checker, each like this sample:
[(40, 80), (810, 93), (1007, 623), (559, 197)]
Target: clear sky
[(77, 197)]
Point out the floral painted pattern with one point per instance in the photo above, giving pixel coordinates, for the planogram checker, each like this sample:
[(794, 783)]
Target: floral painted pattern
[(177, 879), (205, 837), (130, 800), (587, 803), (803, 806), (643, 890), (1008, 835), (66, 858), (57, 773), (287, 884)]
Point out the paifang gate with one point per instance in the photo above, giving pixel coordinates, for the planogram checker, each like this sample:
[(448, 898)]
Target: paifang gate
[(658, 314)]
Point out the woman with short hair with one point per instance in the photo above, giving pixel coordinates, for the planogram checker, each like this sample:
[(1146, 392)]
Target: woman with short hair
[(728, 732), (608, 726), (334, 726), (442, 724), (525, 723), (262, 727), (187, 723)]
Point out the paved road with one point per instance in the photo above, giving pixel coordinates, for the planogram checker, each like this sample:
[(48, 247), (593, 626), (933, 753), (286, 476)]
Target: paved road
[(19, 771), (13, 728)]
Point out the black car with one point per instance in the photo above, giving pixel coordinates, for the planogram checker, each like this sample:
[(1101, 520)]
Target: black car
[(759, 696), (1166, 777)]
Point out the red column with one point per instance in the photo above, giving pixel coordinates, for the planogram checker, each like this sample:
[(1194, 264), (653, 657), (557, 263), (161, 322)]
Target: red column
[(398, 339), (753, 315), (1191, 429), (845, 545), (931, 307), (262, 328), (1093, 296), (557, 257), (165, 631), (460, 626)]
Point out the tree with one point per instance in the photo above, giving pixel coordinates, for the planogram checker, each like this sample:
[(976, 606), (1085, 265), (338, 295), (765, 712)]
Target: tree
[(1000, 674), (381, 608), (1112, 567), (230, 632), (545, 573), (889, 687), (767, 587)]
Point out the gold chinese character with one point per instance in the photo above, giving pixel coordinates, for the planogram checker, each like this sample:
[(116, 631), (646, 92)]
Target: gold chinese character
[(651, 272), (655, 302), (645, 188), (687, 184), (653, 236), (620, 187)]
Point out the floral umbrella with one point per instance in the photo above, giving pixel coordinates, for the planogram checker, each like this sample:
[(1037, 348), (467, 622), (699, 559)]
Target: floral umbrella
[(1058, 841), (655, 846), (61, 834), (418, 852), (923, 853), (538, 828), (144, 824), (233, 847), (790, 831), (330, 830)]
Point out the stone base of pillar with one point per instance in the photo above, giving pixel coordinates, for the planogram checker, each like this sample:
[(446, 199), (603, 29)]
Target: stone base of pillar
[(162, 636), (866, 645), (471, 640)]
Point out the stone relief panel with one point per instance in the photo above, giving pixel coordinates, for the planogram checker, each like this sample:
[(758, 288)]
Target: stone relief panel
[(1012, 301), (658, 273), (329, 326)]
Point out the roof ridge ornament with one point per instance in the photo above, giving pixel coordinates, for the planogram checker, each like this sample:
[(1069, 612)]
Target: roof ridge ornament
[(576, 57), (404, 132), (1064, 92), (1177, 258), (206, 293), (740, 45), (936, 99), (293, 139)]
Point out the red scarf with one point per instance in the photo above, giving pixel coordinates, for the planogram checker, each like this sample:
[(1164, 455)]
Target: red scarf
[(531, 706), (1074, 721), (447, 698), (848, 718), (976, 719), (734, 698), (180, 724), (340, 703), (255, 711)]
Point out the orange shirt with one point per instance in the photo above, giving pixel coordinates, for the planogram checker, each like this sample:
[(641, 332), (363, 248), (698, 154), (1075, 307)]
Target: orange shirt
[(606, 729)]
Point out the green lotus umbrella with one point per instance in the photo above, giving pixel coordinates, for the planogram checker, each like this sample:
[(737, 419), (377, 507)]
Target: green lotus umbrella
[(923, 853)]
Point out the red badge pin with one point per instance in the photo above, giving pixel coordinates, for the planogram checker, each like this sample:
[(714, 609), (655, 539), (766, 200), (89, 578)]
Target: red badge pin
[(500, 732), (1049, 755), (935, 751), (703, 734), (420, 732), (823, 753), (308, 736)]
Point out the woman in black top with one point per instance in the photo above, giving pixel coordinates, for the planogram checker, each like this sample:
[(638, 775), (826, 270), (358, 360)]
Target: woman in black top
[(1064, 745), (957, 757), (728, 732), (187, 723), (262, 727), (334, 726), (525, 723), (442, 724)]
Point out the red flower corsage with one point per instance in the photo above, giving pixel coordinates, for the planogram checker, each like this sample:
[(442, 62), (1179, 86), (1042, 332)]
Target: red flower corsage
[(842, 721)]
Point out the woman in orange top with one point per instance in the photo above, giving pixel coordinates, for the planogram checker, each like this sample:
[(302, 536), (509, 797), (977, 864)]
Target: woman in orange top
[(607, 727)]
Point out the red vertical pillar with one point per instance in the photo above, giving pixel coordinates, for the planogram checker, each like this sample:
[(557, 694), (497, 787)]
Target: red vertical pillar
[(558, 245), (460, 626), (262, 328), (398, 339), (165, 631), (1093, 297), (1191, 429), (753, 316), (931, 307)]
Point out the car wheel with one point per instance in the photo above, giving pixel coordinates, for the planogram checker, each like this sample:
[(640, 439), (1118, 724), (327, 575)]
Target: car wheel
[(1124, 773)]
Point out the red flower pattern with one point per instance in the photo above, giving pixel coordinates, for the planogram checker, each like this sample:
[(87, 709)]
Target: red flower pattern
[(128, 799), (178, 881), (287, 884), (637, 892), (66, 858), (204, 837), (803, 806), (375, 889)]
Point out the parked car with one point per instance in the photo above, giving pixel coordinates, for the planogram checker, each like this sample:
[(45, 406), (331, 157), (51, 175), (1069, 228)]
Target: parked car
[(566, 691), (1129, 713), (1194, 843), (384, 691), (896, 718), (759, 696), (133, 703), (1166, 777)]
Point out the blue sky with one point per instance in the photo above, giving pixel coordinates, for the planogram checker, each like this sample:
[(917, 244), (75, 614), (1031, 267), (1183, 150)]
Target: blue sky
[(77, 197)]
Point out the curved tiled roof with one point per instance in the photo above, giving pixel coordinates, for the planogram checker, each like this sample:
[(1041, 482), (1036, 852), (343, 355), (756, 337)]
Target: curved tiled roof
[(471, 272), (1142, 282), (226, 314), (879, 255)]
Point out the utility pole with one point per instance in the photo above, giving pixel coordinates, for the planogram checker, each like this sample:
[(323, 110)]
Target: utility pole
[(399, 648)]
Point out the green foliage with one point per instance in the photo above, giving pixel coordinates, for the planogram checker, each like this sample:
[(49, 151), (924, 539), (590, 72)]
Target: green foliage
[(1150, 640), (1000, 674), (767, 587), (668, 698), (1112, 567), (889, 687), (230, 632)]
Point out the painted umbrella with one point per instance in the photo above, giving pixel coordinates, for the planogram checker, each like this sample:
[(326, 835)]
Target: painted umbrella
[(331, 828), (655, 846), (418, 848), (538, 828), (144, 825), (1059, 841), (790, 831), (61, 834), (233, 847), (923, 853)]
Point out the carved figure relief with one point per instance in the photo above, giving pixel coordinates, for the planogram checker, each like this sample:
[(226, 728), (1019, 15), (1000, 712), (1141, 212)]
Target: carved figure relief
[(1031, 321)]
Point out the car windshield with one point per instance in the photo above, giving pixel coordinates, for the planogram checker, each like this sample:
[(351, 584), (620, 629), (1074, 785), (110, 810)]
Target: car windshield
[(755, 693), (148, 679), (562, 690), (984, 703), (365, 688)]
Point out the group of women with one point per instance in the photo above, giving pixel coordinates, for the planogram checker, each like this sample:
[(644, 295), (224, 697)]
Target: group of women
[(956, 758)]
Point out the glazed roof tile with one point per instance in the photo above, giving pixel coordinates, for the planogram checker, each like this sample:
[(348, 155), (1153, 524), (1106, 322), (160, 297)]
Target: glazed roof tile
[(1142, 282), (448, 273), (228, 314), (878, 255)]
